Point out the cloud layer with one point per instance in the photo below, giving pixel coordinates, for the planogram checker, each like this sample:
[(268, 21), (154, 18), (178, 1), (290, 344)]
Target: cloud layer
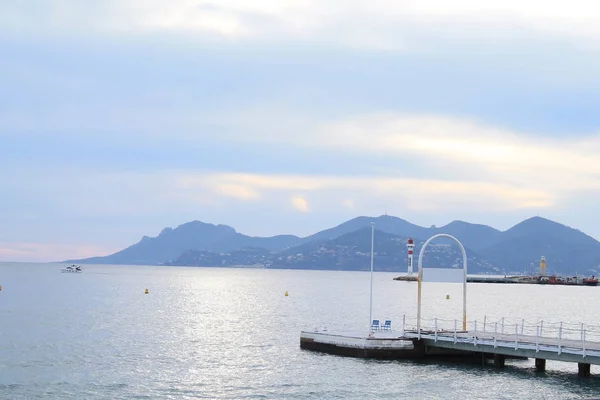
[(119, 118), (357, 22)]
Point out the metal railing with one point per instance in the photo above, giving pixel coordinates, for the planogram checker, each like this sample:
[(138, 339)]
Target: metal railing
[(574, 338)]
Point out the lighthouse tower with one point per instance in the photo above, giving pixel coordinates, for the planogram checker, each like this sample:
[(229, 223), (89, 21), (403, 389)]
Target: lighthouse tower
[(411, 247), (543, 266)]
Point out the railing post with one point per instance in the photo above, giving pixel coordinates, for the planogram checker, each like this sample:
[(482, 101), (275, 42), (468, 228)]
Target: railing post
[(541, 327), (455, 331), (581, 333), (495, 334), (436, 330), (583, 341), (537, 339), (484, 322), (559, 337), (516, 336), (502, 325), (522, 325), (403, 324), (474, 333)]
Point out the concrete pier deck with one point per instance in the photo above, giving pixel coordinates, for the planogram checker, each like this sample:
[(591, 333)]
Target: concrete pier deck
[(381, 345)]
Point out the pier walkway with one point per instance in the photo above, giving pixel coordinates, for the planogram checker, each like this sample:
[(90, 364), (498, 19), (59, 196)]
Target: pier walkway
[(484, 339), (541, 340)]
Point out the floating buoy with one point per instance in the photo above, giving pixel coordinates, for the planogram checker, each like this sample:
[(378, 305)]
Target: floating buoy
[(447, 297), (146, 291), (286, 293)]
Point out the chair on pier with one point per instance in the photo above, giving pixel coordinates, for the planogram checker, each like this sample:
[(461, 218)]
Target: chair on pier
[(387, 326), (375, 325)]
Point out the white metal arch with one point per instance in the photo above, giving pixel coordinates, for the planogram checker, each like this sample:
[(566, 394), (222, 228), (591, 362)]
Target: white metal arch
[(420, 277)]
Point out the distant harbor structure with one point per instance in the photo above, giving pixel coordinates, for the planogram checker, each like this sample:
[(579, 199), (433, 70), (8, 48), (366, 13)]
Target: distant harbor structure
[(476, 341), (542, 278)]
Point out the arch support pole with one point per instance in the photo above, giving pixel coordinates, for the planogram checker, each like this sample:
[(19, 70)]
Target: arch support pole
[(420, 278)]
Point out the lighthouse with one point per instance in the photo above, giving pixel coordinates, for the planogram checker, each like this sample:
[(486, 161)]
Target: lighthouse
[(411, 247), (543, 266)]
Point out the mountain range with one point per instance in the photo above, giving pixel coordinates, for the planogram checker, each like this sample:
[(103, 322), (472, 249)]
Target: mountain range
[(347, 247)]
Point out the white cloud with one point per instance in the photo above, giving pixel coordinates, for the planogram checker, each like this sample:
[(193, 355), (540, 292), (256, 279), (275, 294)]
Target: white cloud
[(562, 164), (416, 194), (237, 191), (454, 164), (300, 204), (349, 204), (380, 23), (186, 191), (437, 145)]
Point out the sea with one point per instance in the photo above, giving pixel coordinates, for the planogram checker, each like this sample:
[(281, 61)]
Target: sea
[(232, 333)]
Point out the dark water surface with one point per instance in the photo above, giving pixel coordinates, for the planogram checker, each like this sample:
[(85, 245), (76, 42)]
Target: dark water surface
[(231, 333)]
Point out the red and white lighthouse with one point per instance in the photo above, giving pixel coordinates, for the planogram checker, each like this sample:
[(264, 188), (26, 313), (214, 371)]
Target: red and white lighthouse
[(411, 247)]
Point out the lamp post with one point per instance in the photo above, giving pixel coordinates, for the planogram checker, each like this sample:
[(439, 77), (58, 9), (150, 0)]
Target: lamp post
[(371, 291)]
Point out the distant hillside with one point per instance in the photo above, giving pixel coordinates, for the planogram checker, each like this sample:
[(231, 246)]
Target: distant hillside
[(567, 250), (351, 251), (385, 223), (473, 236), (195, 235)]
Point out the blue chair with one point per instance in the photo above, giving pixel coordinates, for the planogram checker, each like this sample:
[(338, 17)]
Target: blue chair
[(375, 325), (387, 326)]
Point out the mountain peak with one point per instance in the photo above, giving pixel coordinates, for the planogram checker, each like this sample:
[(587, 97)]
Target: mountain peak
[(537, 222), (165, 231)]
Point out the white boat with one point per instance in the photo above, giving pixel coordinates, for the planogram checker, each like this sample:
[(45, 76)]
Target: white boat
[(74, 269)]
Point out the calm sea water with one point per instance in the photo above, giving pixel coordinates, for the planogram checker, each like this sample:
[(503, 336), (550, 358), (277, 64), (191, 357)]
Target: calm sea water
[(231, 333)]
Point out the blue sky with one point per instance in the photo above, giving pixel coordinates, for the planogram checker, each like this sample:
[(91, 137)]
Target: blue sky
[(119, 118)]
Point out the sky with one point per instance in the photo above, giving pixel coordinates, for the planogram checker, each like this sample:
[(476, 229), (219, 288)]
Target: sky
[(119, 118)]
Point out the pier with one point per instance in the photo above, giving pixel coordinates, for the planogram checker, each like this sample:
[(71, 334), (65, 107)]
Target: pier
[(478, 340), (483, 341), (520, 279)]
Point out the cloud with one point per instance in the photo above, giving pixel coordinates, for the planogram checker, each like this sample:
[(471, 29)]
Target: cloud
[(455, 149), (237, 191), (134, 114), (381, 24), (152, 193), (431, 162), (300, 204), (349, 204), (49, 252), (562, 164), (416, 194)]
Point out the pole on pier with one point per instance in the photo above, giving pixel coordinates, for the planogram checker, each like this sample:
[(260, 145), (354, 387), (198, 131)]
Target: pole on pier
[(464, 254), (371, 291), (419, 279)]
